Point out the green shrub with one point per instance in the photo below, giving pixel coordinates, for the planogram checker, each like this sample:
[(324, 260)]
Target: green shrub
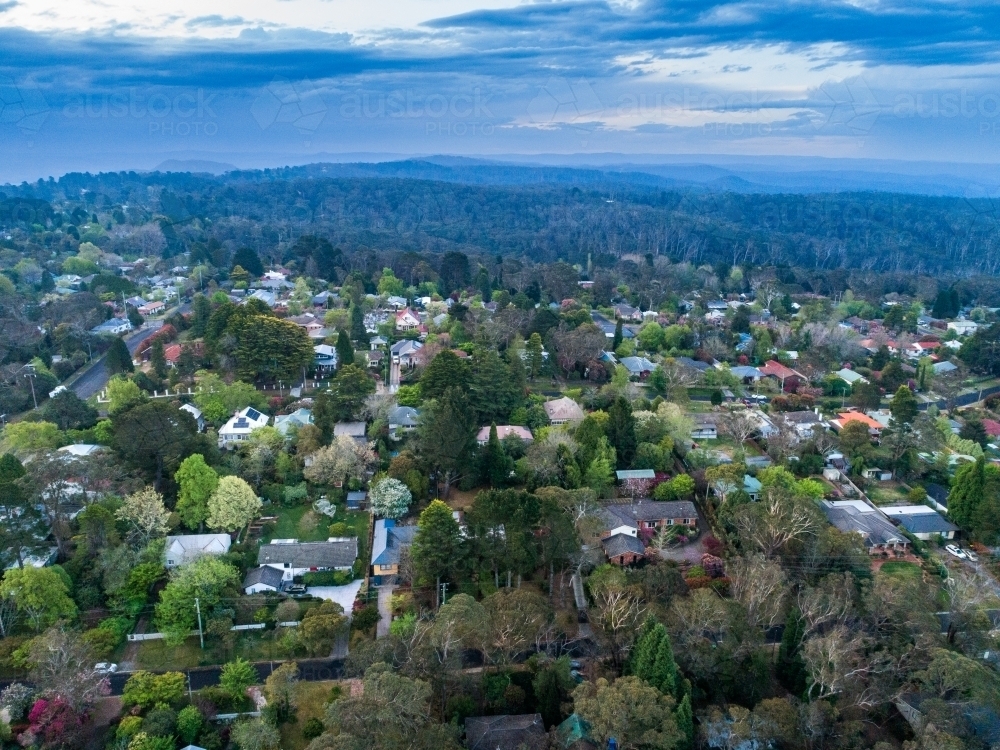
[(339, 529), (312, 729), (328, 578), (189, 723), (129, 727)]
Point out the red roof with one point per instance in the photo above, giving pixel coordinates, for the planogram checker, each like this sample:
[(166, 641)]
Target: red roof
[(172, 353), (778, 370), (856, 416), (992, 427)]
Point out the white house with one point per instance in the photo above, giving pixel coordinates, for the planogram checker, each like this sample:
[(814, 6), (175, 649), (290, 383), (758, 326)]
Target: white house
[(113, 327), (188, 547), (264, 579), (195, 412), (240, 425), (563, 410), (406, 320), (963, 327)]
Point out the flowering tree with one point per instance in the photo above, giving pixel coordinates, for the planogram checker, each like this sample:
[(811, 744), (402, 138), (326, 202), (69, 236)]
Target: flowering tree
[(146, 515), (233, 505), (389, 498), (341, 460)]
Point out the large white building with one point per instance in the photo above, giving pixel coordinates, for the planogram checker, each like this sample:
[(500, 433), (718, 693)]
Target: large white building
[(240, 425)]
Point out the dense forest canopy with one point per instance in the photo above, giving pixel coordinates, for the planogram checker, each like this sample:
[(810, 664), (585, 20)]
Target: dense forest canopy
[(545, 216)]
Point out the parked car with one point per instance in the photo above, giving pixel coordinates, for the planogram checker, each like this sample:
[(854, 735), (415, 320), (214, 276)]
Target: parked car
[(296, 589), (954, 551), (971, 555), (105, 668)]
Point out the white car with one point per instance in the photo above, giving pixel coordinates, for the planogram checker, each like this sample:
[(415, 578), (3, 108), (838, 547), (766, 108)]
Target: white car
[(954, 551), (973, 557), (105, 668)]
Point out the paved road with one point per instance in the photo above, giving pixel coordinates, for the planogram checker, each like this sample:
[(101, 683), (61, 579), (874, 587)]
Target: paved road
[(92, 381), (310, 670)]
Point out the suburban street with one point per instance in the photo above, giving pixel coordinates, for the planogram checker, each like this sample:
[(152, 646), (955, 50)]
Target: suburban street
[(92, 381)]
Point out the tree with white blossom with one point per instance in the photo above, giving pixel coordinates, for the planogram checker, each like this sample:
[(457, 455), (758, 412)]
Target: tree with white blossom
[(389, 498)]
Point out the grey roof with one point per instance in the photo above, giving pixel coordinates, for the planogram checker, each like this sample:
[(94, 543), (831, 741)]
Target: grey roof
[(636, 474), (339, 554), (405, 416), (621, 544), (938, 493), (638, 364), (926, 523), (354, 499), (505, 732), (389, 541), (693, 363), (264, 574), (608, 327), (350, 429), (801, 417), (647, 510), (874, 527), (406, 347), (745, 371)]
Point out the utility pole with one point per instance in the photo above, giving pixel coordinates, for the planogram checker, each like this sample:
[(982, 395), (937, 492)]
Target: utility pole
[(31, 379), (444, 593), (201, 633)]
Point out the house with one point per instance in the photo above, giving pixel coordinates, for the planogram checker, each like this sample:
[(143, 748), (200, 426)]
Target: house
[(608, 327), (746, 374), (921, 521), (286, 423), (704, 428), (186, 548), (403, 419), (314, 326), (388, 541), (240, 425), (323, 298), (505, 431), (963, 327), (294, 558), (355, 430), (627, 312), (112, 327), (937, 496), (151, 308), (563, 410), (522, 732), (857, 516), (752, 486), (804, 423), (266, 296), (375, 358), (377, 342), (629, 518), (396, 302), (196, 414), (623, 550), (264, 579), (693, 364), (324, 357), (407, 320), (944, 368), (850, 376), (638, 367), (406, 352), (789, 379), (874, 426)]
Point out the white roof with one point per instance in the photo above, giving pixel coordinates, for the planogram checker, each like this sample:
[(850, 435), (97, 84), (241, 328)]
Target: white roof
[(906, 510), (81, 449), (191, 409), (244, 422), (198, 544)]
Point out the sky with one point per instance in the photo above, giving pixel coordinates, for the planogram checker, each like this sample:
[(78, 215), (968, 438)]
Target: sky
[(125, 84)]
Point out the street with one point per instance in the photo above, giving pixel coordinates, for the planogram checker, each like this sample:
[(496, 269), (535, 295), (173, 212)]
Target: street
[(92, 381)]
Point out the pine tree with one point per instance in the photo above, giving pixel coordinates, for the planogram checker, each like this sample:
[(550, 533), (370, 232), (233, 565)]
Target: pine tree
[(496, 466), (535, 358), (437, 545), (621, 431), (118, 359), (345, 350), (664, 673), (791, 669), (619, 335), (904, 406), (158, 358), (358, 331), (967, 492), (685, 723), (643, 653)]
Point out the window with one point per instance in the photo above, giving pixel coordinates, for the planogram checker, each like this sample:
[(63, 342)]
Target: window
[(287, 565)]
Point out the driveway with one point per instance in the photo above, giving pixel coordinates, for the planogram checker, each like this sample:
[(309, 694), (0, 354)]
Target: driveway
[(384, 610), (343, 595)]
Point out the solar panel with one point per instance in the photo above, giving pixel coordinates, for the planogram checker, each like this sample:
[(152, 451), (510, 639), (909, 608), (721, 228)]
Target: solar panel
[(253, 414), (242, 422)]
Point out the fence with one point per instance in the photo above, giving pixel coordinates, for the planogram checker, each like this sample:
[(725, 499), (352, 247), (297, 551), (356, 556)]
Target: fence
[(135, 637)]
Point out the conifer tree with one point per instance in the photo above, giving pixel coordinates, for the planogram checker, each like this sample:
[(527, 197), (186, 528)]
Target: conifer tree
[(685, 722), (664, 673), (345, 349)]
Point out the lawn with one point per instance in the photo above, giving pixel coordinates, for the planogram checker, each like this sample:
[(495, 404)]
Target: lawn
[(311, 698), (902, 569), (288, 527)]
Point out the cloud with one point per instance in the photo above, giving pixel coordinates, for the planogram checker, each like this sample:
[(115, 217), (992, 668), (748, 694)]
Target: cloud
[(214, 21), (7, 5)]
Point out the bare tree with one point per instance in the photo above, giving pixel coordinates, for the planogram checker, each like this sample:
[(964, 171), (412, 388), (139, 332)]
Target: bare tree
[(775, 520), (759, 585), (739, 424)]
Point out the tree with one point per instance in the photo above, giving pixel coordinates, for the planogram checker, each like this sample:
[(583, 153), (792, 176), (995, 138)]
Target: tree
[(496, 467), (145, 514), (280, 689), (343, 399), (653, 660), (255, 734), (118, 358), (208, 579), (497, 387), (232, 505), (578, 346), (637, 715), (146, 689), (389, 498), (621, 430), (855, 440), (973, 500), (219, 400), (69, 411), (358, 331), (247, 258), (345, 349), (437, 545), (196, 481), (23, 438), (320, 627), (22, 529), (618, 610), (61, 664), (269, 347), (866, 396), (158, 358), (535, 357), (343, 459), (189, 724), (123, 394), (515, 618), (616, 341), (236, 677), (904, 406), (775, 520), (447, 435), (155, 437), (40, 595)]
